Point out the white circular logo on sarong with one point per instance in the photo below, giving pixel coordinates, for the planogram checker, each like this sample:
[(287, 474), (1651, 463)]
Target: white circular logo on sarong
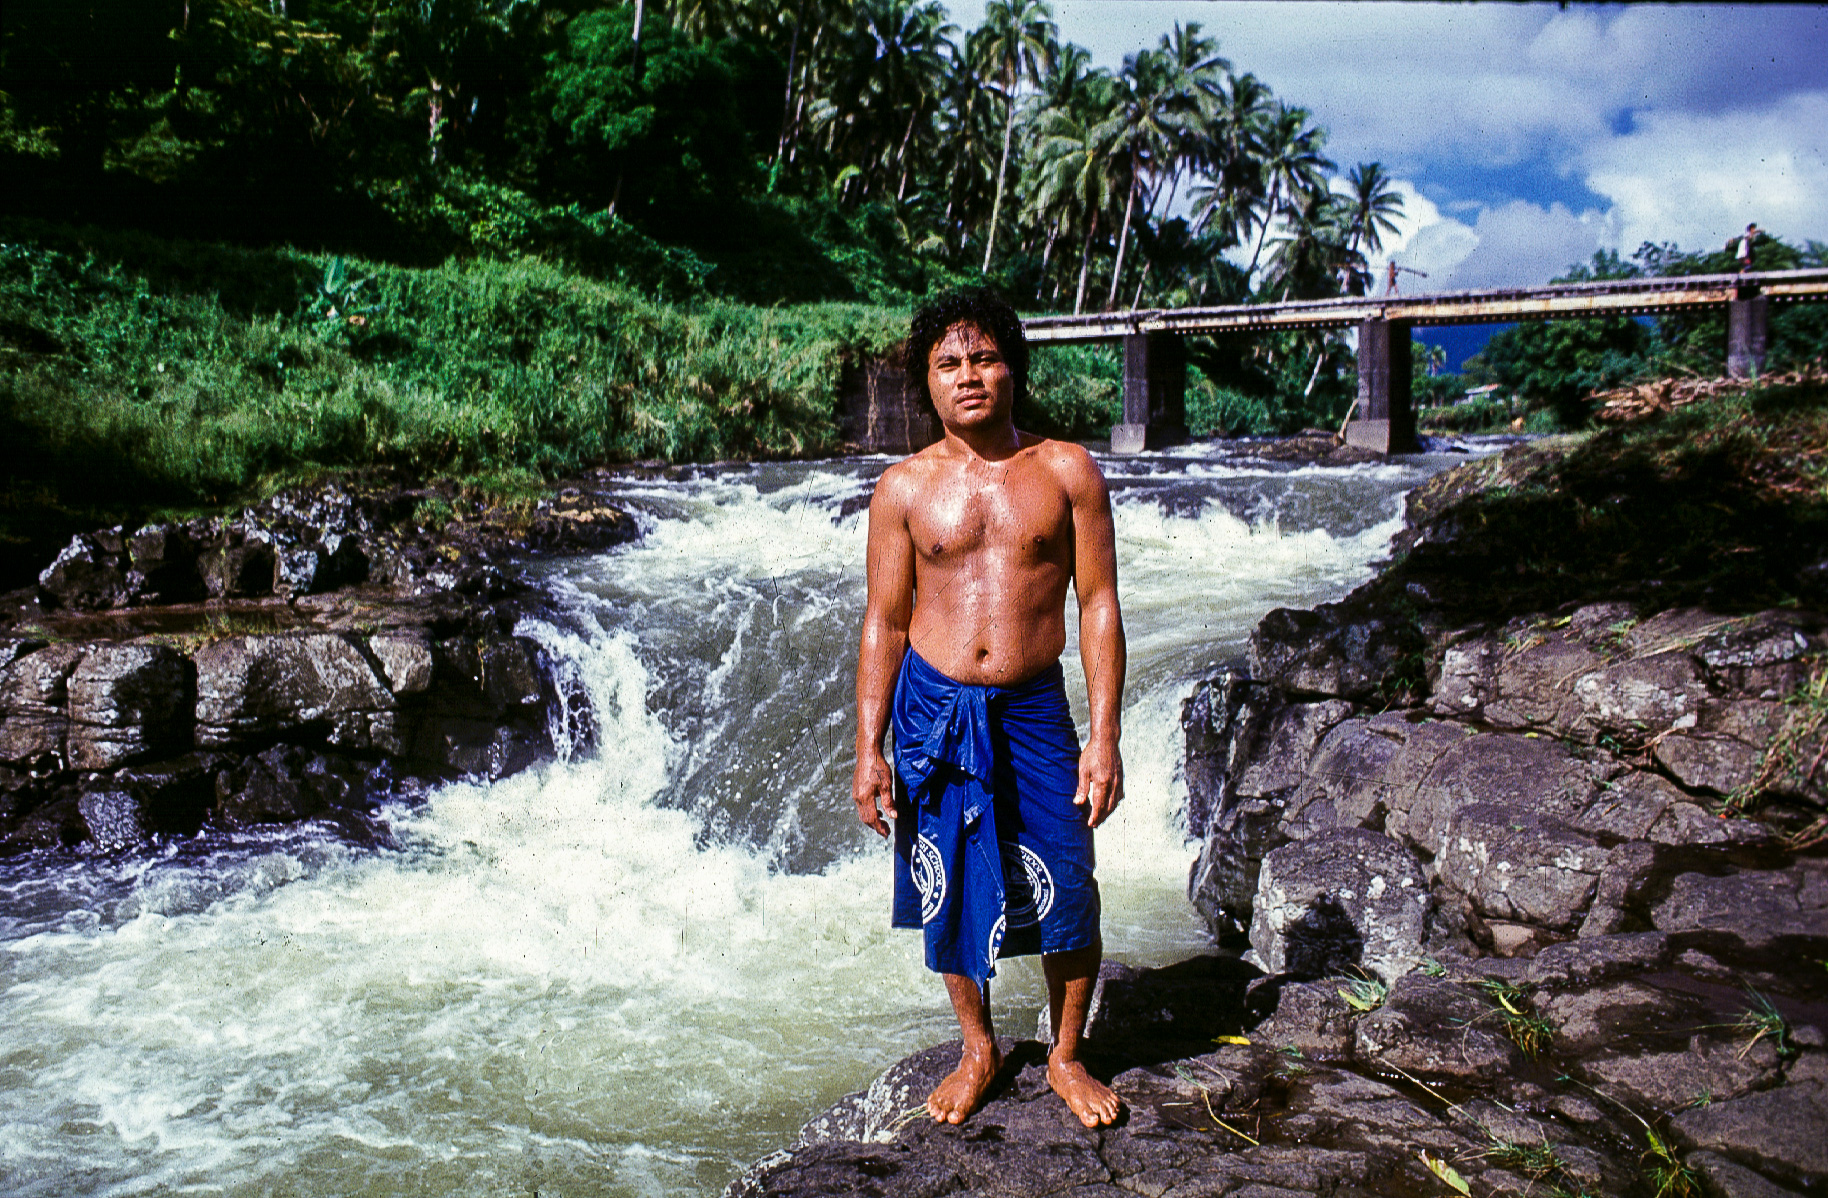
[(996, 942), (929, 872), (1027, 886)]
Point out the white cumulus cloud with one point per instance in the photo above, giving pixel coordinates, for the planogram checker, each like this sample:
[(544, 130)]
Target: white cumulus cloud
[(1696, 179)]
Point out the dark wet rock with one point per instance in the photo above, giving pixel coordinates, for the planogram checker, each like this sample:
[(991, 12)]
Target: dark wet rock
[(1778, 1132), (1345, 898), (34, 705), (57, 823), (1728, 1179), (163, 560), (1333, 652), (287, 783), (129, 702), (240, 571), (1756, 910), (1191, 1001), (89, 575)]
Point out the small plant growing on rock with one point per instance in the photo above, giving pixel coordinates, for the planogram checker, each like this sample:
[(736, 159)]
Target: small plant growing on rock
[(1760, 1021), (1527, 1030), (1666, 1170), (1535, 1161), (1364, 993)]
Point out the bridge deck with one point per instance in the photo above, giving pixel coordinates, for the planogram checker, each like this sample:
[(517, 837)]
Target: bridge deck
[(1612, 297)]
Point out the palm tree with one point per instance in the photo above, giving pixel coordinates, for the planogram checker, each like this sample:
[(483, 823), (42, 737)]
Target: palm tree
[(1292, 166), (1074, 159), (967, 137), (1231, 154), (1164, 93), (1315, 245), (1375, 206), (897, 52), (1015, 42)]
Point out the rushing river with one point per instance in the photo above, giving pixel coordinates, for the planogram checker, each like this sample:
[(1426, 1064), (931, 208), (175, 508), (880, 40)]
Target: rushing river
[(634, 970)]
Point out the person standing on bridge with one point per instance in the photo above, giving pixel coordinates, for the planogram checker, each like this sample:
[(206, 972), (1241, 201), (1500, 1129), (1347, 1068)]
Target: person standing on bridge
[(972, 544), (1745, 247)]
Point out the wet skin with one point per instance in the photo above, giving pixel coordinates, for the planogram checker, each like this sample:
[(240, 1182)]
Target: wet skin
[(973, 543)]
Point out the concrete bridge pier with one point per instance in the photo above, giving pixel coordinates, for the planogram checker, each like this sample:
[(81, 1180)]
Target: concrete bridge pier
[(1746, 317), (1386, 417), (1154, 393)]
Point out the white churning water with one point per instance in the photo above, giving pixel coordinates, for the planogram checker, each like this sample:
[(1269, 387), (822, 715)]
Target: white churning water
[(631, 971)]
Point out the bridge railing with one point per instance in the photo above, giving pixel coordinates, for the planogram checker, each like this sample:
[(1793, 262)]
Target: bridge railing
[(1605, 297)]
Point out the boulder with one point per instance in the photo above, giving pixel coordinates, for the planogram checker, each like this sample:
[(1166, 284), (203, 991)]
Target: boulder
[(1532, 688), (406, 660), (240, 571), (1190, 1002), (1518, 865), (1585, 962), (1708, 1069), (1758, 911), (1521, 772), (127, 702), (113, 819), (288, 783), (1720, 748), (1762, 656), (1247, 752), (164, 565), (34, 704), (1435, 1027), (1310, 1018), (89, 575), (254, 686), (1728, 1179), (1777, 1132), (1345, 898), (1330, 652), (55, 824)]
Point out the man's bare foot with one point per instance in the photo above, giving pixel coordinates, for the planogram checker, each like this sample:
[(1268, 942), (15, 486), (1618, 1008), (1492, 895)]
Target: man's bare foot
[(1085, 1095), (953, 1100)]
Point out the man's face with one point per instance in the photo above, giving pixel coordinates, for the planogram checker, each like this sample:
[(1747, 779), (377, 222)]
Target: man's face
[(968, 379)]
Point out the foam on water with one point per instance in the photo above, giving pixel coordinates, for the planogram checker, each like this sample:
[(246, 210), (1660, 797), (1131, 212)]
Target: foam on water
[(626, 972)]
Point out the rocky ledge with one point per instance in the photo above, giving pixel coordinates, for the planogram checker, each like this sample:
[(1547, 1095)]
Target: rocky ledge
[(1534, 904), (301, 659)]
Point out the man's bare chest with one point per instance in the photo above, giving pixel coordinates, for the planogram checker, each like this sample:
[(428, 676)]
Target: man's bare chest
[(1028, 523)]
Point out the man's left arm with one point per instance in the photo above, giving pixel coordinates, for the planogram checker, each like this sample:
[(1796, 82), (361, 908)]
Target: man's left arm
[(1101, 640)]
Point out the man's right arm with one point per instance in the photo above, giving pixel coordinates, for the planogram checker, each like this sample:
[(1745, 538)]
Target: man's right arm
[(889, 608)]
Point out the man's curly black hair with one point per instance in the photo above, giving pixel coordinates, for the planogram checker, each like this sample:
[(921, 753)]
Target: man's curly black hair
[(980, 306)]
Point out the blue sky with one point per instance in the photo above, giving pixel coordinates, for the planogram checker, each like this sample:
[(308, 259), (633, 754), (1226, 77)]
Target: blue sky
[(1527, 136)]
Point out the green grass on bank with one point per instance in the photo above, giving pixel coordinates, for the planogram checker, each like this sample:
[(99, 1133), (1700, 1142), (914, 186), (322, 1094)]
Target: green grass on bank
[(140, 376)]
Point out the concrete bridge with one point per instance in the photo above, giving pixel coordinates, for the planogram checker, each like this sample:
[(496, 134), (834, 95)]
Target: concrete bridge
[(1155, 360)]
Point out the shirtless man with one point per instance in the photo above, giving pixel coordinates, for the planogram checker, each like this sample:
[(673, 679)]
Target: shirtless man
[(972, 543)]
